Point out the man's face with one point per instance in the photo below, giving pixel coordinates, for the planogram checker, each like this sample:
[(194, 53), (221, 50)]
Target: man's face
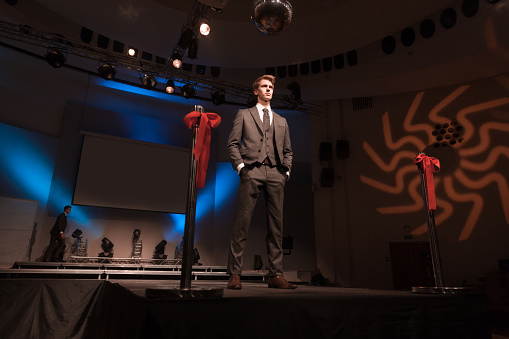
[(264, 91), (67, 210)]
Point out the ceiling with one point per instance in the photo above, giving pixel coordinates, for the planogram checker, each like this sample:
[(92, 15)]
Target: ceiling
[(319, 29)]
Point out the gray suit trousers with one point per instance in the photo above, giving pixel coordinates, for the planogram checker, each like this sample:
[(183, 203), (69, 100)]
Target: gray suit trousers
[(271, 181)]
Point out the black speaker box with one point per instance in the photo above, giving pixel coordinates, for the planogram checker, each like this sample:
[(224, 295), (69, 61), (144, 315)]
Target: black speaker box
[(342, 149), (327, 177), (325, 151)]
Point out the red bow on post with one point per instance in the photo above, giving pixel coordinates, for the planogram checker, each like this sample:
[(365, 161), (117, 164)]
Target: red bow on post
[(202, 146), (429, 165)]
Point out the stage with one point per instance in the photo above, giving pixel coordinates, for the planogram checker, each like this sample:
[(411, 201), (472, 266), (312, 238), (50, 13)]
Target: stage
[(118, 308)]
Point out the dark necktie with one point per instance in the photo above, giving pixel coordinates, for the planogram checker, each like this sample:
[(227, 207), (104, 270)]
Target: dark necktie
[(266, 119)]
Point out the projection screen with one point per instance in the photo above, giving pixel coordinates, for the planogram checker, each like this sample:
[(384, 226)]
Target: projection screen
[(130, 174)]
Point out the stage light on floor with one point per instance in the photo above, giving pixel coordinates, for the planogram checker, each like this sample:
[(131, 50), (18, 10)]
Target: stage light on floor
[(136, 244), (55, 58), (107, 71), (176, 60), (170, 86), (188, 91), (218, 97), (107, 247), (77, 233), (149, 81), (159, 251)]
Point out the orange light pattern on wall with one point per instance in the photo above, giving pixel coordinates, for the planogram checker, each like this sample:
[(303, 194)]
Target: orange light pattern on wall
[(406, 177)]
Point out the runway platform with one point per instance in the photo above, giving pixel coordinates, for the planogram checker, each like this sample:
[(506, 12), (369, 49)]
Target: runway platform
[(118, 308)]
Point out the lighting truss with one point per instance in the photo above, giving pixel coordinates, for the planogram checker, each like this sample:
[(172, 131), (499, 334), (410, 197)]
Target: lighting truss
[(32, 37)]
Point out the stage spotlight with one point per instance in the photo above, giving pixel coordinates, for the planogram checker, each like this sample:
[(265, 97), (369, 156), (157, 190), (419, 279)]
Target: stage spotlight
[(170, 86), (205, 27), (159, 251), (188, 91), (136, 233), (107, 71), (192, 51), (55, 58), (176, 60), (149, 81), (218, 97), (132, 51), (295, 88), (107, 247), (77, 233)]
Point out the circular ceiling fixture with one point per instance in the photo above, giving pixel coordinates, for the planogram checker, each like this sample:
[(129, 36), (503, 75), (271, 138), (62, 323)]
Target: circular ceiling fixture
[(272, 16)]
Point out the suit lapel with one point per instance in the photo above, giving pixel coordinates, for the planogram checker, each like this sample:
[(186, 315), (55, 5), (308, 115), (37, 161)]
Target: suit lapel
[(256, 117)]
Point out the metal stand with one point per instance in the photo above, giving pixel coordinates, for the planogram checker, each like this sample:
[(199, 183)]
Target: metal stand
[(185, 290), (435, 252)]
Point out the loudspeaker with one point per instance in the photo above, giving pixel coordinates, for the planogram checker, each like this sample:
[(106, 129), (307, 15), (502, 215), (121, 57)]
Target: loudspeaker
[(325, 151), (327, 177), (342, 149)]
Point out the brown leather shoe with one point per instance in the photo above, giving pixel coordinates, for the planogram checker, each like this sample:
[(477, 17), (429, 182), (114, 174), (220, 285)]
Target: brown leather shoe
[(234, 282), (279, 282)]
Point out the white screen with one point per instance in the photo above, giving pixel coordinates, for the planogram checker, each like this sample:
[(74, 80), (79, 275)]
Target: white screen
[(124, 173)]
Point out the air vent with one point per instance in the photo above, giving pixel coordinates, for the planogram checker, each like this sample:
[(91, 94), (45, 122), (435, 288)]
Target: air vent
[(362, 103)]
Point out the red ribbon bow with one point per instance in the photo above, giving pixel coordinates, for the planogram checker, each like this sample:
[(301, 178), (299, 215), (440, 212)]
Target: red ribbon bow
[(429, 165), (202, 146)]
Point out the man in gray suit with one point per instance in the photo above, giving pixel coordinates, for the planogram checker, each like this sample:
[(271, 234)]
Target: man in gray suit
[(260, 150)]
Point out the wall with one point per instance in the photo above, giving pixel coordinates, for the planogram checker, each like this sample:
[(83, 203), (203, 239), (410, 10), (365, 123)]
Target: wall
[(376, 197)]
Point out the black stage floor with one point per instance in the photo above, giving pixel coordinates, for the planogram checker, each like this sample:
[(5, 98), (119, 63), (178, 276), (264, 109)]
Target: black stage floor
[(70, 308)]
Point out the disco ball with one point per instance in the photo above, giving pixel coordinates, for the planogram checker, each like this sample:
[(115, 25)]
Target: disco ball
[(272, 16)]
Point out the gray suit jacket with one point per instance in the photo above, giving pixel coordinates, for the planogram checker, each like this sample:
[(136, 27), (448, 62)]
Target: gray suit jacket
[(245, 141)]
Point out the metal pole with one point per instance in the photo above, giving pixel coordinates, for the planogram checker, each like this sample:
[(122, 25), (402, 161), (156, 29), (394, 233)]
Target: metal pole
[(188, 256), (432, 234)]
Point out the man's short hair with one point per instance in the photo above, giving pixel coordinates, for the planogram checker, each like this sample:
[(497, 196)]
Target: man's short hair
[(66, 207), (271, 78)]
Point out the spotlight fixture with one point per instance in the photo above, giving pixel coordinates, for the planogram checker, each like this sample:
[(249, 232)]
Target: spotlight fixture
[(132, 51), (188, 91), (159, 251), (107, 247), (176, 60), (205, 27), (218, 97), (107, 71), (295, 88), (149, 81), (170, 86), (77, 233), (55, 58)]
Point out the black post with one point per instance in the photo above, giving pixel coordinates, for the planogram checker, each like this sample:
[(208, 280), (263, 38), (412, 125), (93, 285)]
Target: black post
[(432, 233), (188, 256)]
